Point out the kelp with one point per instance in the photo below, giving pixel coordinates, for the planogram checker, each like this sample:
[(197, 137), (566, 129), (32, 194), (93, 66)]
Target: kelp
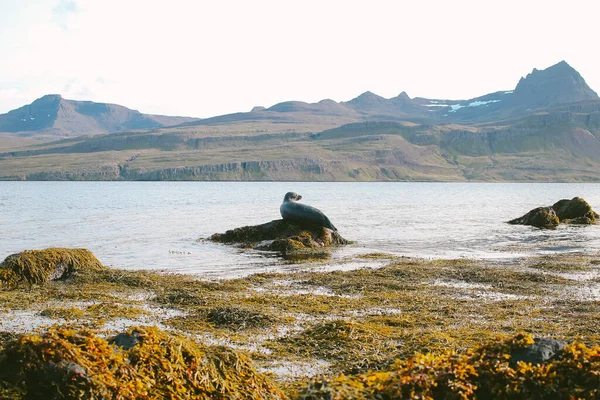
[(67, 363), (35, 267), (485, 372)]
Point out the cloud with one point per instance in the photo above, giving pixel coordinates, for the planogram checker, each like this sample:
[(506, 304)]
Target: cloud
[(63, 12)]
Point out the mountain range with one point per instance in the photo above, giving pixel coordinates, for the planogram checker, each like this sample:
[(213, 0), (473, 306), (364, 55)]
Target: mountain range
[(547, 128), (53, 116)]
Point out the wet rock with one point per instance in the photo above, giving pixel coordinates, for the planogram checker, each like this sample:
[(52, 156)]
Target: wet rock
[(541, 217), (575, 211), (126, 340), (542, 350), (284, 236), (54, 378)]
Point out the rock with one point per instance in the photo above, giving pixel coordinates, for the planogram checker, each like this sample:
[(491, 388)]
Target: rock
[(575, 211), (541, 351), (284, 236), (36, 267), (541, 217), (126, 340)]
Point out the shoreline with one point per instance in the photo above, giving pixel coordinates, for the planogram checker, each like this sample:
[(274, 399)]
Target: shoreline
[(299, 325)]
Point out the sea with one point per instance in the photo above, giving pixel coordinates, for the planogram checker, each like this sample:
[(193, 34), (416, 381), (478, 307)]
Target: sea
[(165, 225)]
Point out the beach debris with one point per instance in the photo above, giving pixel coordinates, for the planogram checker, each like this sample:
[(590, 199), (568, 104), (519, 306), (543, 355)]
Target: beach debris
[(574, 211), (287, 237), (35, 267), (74, 363)]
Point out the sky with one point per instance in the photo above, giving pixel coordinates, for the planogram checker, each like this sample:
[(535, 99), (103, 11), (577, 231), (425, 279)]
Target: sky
[(203, 58)]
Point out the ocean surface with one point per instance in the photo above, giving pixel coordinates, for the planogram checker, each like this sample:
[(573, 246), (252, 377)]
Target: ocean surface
[(161, 225)]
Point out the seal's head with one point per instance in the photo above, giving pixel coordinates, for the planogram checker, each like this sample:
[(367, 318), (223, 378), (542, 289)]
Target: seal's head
[(291, 196)]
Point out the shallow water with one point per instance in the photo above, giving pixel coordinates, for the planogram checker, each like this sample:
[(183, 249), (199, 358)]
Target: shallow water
[(156, 225)]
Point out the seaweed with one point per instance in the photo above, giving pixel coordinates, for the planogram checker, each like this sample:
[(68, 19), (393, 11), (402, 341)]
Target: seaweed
[(68, 363), (487, 371), (36, 267)]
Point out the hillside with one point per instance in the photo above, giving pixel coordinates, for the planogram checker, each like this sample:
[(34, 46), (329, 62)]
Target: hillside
[(53, 116), (547, 129)]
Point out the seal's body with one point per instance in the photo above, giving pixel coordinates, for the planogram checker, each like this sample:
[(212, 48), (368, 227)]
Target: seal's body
[(303, 213)]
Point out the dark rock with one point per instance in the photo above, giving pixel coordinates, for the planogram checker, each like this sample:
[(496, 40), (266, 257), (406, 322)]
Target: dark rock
[(283, 236), (60, 272), (54, 378), (126, 340), (575, 211), (541, 351), (541, 217)]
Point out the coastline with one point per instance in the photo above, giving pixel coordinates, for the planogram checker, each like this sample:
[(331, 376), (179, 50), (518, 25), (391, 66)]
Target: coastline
[(296, 326)]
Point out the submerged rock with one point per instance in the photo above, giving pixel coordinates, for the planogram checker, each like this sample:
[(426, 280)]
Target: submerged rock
[(541, 217), (289, 238), (36, 267), (574, 211)]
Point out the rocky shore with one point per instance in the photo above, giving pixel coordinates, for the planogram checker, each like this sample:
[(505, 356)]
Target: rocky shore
[(430, 328)]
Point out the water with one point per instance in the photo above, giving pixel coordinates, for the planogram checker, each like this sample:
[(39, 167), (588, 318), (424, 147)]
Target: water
[(156, 225)]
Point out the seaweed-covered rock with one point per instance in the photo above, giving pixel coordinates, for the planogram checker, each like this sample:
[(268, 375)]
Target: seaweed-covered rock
[(575, 211), (282, 235), (541, 217), (485, 372), (40, 266), (63, 363)]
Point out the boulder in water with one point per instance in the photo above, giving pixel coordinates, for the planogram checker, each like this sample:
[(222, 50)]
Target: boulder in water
[(283, 236), (541, 217), (575, 211)]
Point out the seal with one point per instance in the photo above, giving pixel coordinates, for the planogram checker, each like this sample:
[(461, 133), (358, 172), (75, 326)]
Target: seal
[(303, 213)]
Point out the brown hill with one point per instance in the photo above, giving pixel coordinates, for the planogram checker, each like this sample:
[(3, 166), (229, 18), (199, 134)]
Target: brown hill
[(54, 116)]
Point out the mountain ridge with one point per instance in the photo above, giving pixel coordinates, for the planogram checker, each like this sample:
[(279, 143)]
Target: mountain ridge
[(546, 129), (52, 115)]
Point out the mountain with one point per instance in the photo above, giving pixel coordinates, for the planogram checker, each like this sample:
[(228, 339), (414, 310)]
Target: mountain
[(557, 84), (54, 116), (546, 129)]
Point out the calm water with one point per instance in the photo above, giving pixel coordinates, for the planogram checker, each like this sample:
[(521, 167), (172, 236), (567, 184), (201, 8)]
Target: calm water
[(156, 225)]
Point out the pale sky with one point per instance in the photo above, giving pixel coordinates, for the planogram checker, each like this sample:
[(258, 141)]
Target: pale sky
[(205, 58)]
